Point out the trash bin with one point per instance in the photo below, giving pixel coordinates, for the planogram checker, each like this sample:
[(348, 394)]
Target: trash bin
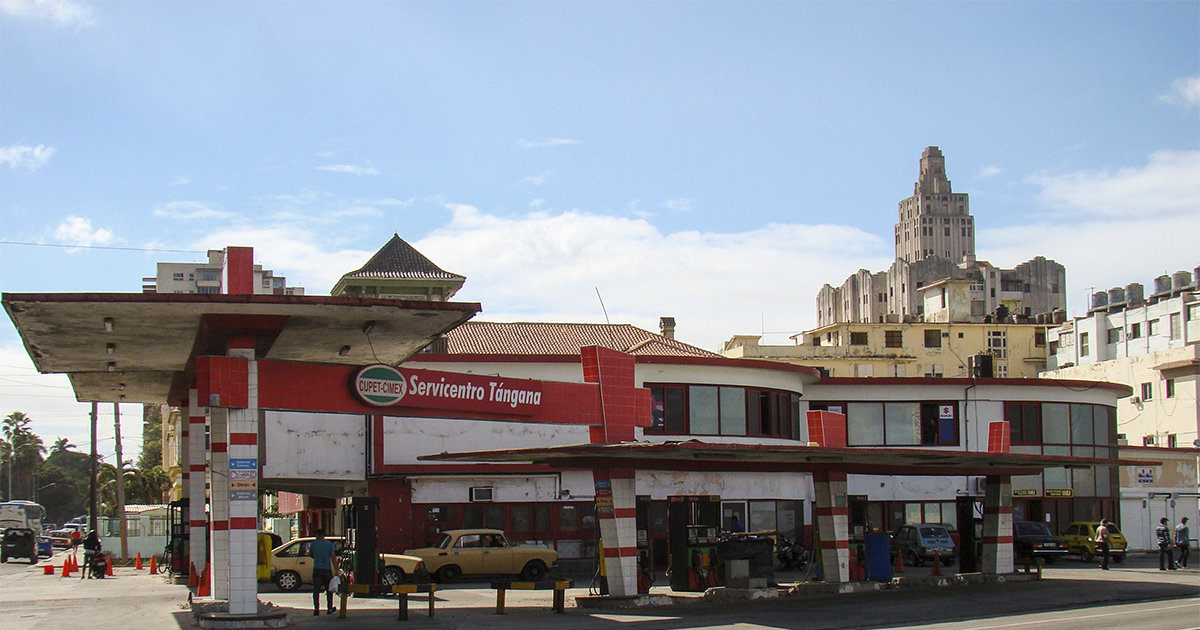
[(879, 556), (757, 550)]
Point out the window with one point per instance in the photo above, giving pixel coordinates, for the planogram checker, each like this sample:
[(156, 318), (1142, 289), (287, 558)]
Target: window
[(864, 370), (1147, 391), (893, 338), (1176, 325), (998, 343), (902, 424), (1084, 347), (1039, 338), (858, 338), (1169, 388), (1147, 440), (1114, 335), (933, 338), (1135, 330), (1172, 440), (722, 410), (1024, 422), (1152, 328), (177, 277), (934, 371)]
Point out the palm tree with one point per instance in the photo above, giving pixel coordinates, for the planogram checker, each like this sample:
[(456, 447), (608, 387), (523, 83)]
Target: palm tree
[(61, 445), (22, 449)]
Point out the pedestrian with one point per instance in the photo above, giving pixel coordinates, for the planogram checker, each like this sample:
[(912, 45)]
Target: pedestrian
[(1162, 533), (1183, 542), (1101, 540), (324, 562), (735, 525)]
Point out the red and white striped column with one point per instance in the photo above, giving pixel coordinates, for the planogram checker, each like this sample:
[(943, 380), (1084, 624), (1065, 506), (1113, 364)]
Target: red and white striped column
[(997, 525), (833, 522), (616, 499), (195, 473), (243, 489), (218, 436)]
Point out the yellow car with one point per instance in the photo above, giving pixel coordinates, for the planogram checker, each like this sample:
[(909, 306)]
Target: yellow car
[(484, 552), (292, 564), (1081, 535)]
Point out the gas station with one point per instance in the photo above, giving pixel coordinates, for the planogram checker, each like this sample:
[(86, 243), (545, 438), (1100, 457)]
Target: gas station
[(227, 358)]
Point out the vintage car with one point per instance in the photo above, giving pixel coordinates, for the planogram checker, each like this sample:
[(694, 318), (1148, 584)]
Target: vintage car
[(1081, 536), (292, 564), (1032, 540), (60, 538), (484, 552), (919, 542)]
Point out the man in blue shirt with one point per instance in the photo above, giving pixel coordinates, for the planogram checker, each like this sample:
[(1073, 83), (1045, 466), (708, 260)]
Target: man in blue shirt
[(324, 562)]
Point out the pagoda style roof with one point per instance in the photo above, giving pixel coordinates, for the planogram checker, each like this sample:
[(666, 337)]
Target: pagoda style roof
[(399, 260)]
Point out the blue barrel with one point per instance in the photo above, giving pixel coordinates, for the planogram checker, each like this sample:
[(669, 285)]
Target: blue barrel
[(879, 565)]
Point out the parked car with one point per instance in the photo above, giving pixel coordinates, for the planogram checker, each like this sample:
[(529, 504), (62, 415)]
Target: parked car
[(44, 546), (484, 552), (19, 542), (291, 564), (60, 538), (1032, 540), (919, 542), (1081, 535)]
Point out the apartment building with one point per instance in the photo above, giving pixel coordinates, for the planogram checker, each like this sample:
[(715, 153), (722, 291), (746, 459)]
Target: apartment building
[(209, 277)]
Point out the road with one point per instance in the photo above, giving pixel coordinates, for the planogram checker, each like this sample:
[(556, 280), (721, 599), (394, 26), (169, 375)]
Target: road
[(1072, 595)]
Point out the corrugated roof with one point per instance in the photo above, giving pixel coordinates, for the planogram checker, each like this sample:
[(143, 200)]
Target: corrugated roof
[(398, 259), (534, 338)]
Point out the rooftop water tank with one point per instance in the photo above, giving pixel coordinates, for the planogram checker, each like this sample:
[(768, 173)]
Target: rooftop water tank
[(1180, 280), (1162, 284), (1099, 299), (1135, 293), (1116, 295)]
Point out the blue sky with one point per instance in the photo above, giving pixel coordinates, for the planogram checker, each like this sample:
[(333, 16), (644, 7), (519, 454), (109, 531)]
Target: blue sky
[(712, 161)]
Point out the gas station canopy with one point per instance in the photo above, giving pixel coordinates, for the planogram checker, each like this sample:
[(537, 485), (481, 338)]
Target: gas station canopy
[(696, 455), (140, 347)]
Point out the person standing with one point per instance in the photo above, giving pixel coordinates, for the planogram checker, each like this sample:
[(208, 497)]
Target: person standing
[(1163, 534), (1183, 542), (1102, 539), (322, 553)]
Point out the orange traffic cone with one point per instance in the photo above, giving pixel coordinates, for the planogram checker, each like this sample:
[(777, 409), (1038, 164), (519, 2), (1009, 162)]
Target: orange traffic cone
[(153, 566), (193, 579), (202, 589), (138, 566), (66, 571), (108, 569), (899, 562), (937, 564)]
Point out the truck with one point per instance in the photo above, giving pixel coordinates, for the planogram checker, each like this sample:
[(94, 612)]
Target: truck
[(21, 515)]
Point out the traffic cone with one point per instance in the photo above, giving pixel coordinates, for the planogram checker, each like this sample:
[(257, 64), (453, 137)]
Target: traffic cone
[(193, 579), (48, 569), (66, 572), (202, 589), (937, 564), (138, 566), (899, 562), (153, 566), (108, 569)]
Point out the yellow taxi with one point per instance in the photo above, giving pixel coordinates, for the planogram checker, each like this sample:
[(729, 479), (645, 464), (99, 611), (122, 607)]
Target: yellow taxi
[(1080, 537)]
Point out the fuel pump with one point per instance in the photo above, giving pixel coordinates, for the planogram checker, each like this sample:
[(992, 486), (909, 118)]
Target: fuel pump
[(968, 536), (694, 527), (358, 518)]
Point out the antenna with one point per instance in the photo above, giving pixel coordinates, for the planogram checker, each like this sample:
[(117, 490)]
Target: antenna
[(606, 320)]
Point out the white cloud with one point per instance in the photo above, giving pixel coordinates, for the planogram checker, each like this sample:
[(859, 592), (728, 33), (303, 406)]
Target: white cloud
[(1184, 91), (29, 157), (547, 267), (1168, 185), (64, 12), (188, 211), (989, 171), (678, 204), (75, 230), (1110, 228), (180, 181), (535, 180), (349, 169), (542, 143)]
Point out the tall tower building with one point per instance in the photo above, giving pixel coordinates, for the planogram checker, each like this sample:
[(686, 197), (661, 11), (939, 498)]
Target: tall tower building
[(935, 221)]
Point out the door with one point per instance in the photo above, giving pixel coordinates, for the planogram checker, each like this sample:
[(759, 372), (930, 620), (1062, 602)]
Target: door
[(468, 553)]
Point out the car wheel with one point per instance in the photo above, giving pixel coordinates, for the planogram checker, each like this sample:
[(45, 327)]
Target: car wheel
[(1051, 559), (448, 573), (534, 570), (391, 576), (3, 558), (1085, 554), (1119, 559), (913, 559), (287, 580)]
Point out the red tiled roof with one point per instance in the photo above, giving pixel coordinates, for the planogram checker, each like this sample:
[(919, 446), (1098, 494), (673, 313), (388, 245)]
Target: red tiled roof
[(540, 338)]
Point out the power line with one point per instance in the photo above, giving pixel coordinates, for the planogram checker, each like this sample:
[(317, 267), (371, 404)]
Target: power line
[(109, 247)]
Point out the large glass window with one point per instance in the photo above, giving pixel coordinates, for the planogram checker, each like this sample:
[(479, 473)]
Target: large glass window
[(903, 423), (722, 410), (1023, 422), (1081, 424), (864, 424), (702, 410), (733, 411), (1056, 423)]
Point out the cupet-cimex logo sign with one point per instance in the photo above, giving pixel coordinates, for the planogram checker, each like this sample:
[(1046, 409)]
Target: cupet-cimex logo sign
[(380, 385)]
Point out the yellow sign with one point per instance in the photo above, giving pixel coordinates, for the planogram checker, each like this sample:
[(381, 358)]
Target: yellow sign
[(1059, 492)]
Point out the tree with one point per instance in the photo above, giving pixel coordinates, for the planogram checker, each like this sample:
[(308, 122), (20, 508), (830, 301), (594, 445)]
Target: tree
[(22, 450), (151, 455), (61, 445)]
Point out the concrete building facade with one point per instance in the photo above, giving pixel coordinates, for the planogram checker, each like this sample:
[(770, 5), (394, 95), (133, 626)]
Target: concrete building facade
[(210, 278)]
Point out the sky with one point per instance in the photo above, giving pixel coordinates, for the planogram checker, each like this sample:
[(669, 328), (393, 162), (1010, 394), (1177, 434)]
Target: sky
[(714, 161)]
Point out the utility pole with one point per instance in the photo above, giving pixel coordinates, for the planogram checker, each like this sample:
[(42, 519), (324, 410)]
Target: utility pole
[(121, 485), (92, 468)]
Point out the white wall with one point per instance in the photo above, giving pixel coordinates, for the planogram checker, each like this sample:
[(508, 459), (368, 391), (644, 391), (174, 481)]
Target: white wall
[(323, 446)]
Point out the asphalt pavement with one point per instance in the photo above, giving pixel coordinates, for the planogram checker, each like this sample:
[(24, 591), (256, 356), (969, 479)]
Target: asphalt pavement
[(136, 599)]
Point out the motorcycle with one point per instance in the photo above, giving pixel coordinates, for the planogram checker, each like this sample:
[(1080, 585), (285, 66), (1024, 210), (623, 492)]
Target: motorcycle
[(791, 554)]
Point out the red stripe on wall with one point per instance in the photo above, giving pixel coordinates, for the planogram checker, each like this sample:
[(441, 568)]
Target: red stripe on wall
[(620, 552), (835, 544), (197, 419), (243, 439), (833, 511), (997, 540), (220, 526), (625, 513), (197, 467), (243, 522), (219, 447), (197, 523)]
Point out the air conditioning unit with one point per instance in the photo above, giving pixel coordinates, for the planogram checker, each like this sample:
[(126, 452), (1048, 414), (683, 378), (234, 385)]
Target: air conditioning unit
[(481, 494), (979, 486)]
